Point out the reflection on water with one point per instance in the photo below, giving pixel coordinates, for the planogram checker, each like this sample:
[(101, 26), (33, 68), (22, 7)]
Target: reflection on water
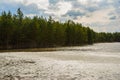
[(92, 62)]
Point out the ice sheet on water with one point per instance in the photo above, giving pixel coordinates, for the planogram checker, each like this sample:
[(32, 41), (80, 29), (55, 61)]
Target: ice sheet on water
[(96, 64)]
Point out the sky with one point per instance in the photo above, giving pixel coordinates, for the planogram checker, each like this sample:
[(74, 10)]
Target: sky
[(100, 15)]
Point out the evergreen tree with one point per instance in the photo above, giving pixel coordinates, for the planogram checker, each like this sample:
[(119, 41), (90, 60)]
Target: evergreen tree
[(17, 31)]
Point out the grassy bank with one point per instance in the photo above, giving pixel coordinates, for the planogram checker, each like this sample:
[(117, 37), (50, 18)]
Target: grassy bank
[(29, 50)]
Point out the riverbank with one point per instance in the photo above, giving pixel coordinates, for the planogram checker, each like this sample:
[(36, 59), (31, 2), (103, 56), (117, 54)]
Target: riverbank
[(57, 48), (29, 50), (46, 49)]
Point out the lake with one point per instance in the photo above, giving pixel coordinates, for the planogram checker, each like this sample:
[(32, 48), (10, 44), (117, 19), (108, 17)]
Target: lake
[(100, 61)]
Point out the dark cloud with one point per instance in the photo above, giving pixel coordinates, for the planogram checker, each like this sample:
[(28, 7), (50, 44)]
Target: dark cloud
[(113, 18), (76, 4), (111, 13), (53, 1), (116, 3), (53, 7), (75, 13), (92, 9), (31, 9)]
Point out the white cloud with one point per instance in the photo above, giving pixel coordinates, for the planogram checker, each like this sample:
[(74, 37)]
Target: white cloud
[(31, 15), (83, 1), (94, 13), (87, 2), (63, 8), (11, 1), (97, 16), (99, 20), (42, 4), (106, 27), (110, 1)]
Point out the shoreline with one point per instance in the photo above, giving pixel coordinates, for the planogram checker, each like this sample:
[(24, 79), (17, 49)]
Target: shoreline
[(46, 49), (29, 50), (41, 49)]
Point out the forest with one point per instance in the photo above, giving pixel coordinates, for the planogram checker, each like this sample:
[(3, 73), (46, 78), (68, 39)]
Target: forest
[(19, 32)]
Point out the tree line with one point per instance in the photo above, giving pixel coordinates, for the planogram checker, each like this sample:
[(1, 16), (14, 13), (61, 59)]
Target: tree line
[(19, 31)]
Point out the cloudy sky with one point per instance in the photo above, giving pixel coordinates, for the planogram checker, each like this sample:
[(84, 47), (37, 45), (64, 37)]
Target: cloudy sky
[(100, 15)]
